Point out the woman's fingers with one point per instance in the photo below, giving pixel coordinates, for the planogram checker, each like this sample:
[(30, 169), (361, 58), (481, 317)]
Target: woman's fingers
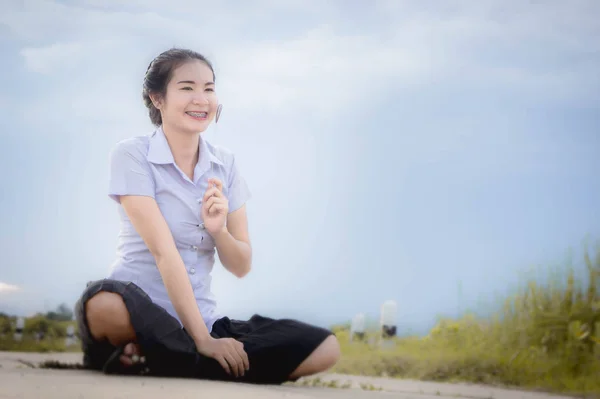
[(216, 183), (215, 205), (217, 208), (240, 349), (223, 363), (212, 192), (230, 357)]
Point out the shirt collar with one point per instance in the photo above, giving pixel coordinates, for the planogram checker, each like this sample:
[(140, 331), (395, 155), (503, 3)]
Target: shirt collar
[(159, 151)]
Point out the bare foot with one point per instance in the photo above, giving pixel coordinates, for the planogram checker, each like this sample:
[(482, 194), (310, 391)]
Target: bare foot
[(132, 355)]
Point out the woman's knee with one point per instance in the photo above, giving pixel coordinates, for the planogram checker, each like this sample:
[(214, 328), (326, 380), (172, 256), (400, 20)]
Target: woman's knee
[(324, 357), (330, 352), (108, 318)]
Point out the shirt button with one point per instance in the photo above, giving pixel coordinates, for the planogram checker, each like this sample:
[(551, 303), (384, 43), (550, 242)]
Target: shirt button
[(201, 226), (192, 271), (195, 248)]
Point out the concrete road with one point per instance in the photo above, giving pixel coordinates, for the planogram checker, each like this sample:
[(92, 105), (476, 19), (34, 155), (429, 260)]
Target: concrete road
[(18, 379)]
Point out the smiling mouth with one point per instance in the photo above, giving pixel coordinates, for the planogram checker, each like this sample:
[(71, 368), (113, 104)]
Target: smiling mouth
[(197, 115)]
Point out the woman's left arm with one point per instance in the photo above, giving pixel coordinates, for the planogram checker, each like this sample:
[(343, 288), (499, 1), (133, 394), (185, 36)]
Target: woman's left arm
[(233, 243)]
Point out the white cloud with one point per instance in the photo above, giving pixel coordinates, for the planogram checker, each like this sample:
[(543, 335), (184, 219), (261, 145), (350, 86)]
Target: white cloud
[(44, 20), (320, 70), (46, 60), (7, 288)]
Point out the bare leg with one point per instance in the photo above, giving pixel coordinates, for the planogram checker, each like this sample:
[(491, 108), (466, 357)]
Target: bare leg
[(108, 319), (323, 358)]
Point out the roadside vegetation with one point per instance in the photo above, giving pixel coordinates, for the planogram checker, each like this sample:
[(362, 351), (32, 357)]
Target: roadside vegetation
[(545, 337), (41, 333)]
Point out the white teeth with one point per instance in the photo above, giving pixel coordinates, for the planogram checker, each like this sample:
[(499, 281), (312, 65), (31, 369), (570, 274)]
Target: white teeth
[(197, 114)]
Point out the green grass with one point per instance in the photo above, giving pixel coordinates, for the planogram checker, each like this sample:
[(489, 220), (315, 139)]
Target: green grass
[(29, 344), (546, 337)]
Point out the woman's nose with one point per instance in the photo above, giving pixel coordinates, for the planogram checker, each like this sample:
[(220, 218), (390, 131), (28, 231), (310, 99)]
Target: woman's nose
[(200, 99)]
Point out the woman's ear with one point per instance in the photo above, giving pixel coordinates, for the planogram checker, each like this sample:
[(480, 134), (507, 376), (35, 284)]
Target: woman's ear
[(155, 101)]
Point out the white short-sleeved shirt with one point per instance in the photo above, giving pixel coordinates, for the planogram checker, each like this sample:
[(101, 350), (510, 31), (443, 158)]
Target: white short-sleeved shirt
[(144, 165)]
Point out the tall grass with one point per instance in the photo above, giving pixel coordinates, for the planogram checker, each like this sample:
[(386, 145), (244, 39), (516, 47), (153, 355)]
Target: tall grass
[(547, 336)]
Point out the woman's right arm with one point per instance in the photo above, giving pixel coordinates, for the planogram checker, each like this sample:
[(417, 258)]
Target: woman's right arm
[(152, 227), (132, 186)]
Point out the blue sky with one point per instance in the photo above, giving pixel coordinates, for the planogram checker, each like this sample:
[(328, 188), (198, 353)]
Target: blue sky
[(394, 149)]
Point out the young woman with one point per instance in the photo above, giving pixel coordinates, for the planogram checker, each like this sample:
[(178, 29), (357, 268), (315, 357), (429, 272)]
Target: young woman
[(180, 199)]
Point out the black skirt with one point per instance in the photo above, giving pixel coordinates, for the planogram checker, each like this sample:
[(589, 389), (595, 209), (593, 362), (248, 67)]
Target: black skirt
[(275, 347)]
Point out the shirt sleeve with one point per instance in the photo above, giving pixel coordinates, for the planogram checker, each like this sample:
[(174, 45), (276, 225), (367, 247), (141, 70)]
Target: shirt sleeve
[(130, 172), (238, 190)]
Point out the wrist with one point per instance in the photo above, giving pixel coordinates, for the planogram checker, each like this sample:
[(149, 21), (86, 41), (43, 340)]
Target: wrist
[(202, 341), (222, 232)]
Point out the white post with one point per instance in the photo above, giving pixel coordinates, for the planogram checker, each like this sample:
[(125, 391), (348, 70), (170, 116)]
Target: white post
[(19, 330), (358, 327), (388, 322), (70, 339)]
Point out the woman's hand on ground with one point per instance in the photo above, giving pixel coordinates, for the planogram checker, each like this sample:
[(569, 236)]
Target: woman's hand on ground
[(228, 352)]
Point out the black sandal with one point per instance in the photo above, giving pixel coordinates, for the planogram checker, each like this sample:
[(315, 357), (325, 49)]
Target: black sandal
[(114, 366)]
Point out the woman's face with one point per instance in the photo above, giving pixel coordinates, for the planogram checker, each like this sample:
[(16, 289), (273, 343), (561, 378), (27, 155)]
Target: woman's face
[(190, 103)]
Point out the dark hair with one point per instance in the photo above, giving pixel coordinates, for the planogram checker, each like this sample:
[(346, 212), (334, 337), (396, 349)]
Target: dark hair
[(159, 74)]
